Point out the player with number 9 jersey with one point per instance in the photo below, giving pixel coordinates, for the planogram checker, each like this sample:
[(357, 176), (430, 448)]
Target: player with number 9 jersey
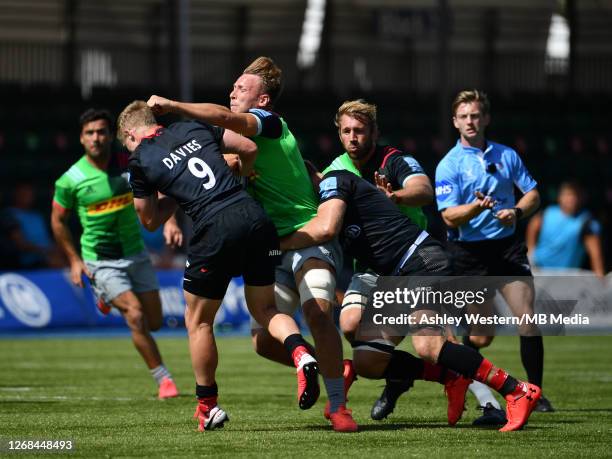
[(232, 236)]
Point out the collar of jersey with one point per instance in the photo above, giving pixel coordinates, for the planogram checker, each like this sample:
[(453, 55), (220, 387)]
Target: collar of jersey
[(475, 150)]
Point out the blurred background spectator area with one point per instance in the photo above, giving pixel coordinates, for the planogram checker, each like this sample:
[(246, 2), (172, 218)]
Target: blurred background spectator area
[(546, 65)]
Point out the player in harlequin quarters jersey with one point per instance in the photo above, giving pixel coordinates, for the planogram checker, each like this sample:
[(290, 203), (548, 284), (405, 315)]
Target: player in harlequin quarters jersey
[(402, 179), (232, 236), (112, 256), (281, 184)]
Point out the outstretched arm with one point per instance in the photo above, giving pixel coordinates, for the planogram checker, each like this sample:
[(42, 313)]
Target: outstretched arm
[(242, 123), (245, 148)]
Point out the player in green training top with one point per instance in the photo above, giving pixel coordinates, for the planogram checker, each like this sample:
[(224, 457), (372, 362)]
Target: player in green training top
[(398, 175), (112, 251), (280, 182)]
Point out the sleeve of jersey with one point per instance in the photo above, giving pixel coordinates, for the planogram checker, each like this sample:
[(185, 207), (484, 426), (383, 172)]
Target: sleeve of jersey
[(268, 124), (138, 181), (447, 186), (403, 168), (333, 187), (520, 175), (64, 193), (590, 227), (217, 133)]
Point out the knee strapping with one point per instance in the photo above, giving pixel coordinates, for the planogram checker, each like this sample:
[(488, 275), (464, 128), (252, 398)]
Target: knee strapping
[(319, 284), (354, 301), (376, 345)]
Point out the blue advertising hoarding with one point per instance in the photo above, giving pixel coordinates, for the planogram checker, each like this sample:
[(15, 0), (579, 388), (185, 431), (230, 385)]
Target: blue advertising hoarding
[(47, 300)]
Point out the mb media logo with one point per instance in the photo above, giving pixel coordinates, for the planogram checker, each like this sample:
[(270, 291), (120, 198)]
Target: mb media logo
[(24, 300)]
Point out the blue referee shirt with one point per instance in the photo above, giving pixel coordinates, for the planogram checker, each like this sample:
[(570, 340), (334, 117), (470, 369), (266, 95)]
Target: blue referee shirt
[(464, 170)]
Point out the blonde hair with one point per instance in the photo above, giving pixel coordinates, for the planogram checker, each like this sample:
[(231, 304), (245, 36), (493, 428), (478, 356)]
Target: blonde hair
[(136, 114), (359, 109), (474, 95), (271, 76)]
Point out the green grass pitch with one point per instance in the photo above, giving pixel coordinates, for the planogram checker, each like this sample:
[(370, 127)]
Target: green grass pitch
[(97, 393)]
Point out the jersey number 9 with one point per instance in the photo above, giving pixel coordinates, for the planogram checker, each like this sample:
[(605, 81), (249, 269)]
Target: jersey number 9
[(202, 170)]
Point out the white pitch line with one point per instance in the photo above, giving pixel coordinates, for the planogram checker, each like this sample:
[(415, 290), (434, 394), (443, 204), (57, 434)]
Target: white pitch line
[(70, 399)]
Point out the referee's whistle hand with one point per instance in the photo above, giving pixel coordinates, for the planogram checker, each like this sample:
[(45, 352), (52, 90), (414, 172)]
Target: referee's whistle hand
[(484, 202)]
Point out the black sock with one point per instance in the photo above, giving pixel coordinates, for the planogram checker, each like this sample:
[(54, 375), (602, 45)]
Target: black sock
[(508, 387), (532, 356), (462, 359), (466, 361), (403, 368), (293, 341), (467, 342), (206, 391)]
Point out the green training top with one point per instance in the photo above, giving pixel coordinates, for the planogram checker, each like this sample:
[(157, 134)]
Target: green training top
[(344, 162), (280, 182), (105, 207)]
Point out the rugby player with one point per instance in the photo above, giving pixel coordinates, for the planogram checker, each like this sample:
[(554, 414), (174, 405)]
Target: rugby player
[(232, 236), (113, 255), (378, 235), (280, 182), (402, 179)]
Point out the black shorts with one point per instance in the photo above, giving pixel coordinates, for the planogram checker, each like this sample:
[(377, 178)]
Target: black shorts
[(496, 257), (424, 269), (238, 240), (429, 259)]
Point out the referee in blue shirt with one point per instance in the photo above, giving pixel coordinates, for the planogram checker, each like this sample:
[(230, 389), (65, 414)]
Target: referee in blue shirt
[(475, 184)]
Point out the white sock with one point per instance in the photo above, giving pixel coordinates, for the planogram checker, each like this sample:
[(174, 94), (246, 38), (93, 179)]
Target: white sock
[(160, 373), (484, 394)]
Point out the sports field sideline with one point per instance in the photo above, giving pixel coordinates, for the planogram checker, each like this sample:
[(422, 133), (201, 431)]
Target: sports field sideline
[(94, 392)]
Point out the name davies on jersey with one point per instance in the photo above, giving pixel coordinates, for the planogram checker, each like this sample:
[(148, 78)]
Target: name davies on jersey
[(181, 152)]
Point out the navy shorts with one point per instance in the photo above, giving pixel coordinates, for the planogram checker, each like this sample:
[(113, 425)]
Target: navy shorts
[(238, 240)]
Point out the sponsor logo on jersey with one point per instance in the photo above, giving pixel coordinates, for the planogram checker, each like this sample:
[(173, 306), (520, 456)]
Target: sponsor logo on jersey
[(443, 189), (111, 205), (329, 187), (413, 164), (352, 231)]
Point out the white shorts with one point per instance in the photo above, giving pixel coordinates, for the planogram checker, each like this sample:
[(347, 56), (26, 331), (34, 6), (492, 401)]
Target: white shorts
[(293, 260), (111, 278)]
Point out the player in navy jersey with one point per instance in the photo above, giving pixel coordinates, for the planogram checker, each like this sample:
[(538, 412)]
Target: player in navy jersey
[(377, 234), (232, 236)]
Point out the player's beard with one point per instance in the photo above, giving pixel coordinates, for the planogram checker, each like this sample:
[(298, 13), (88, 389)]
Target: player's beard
[(362, 151)]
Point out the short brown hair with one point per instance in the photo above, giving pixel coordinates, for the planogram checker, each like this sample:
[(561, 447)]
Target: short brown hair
[(360, 109), (271, 76), (136, 114), (473, 95), (95, 114)]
